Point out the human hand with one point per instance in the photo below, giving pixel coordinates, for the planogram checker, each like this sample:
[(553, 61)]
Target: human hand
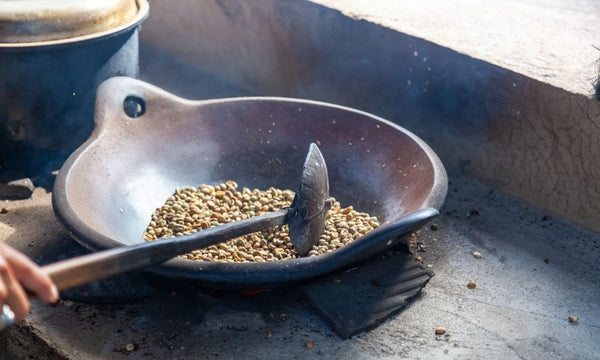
[(17, 273)]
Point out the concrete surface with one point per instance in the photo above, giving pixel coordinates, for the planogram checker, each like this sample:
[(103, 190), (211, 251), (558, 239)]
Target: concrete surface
[(552, 41), (536, 270)]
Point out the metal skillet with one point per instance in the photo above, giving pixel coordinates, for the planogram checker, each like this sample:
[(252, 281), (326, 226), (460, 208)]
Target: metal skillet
[(147, 142)]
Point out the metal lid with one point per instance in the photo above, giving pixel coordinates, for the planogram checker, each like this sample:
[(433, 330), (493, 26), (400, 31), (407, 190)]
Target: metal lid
[(48, 22)]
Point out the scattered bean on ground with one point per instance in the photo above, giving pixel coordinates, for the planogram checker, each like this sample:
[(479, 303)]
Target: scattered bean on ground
[(440, 330)]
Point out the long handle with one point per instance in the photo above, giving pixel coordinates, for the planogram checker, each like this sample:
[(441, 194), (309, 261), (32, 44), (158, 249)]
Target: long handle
[(95, 266)]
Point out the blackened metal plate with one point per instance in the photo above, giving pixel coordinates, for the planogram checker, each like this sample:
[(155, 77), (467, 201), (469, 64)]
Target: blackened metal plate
[(360, 298)]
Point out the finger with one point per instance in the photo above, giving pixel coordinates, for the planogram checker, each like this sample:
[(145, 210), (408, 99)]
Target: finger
[(31, 276), (3, 290), (16, 297)]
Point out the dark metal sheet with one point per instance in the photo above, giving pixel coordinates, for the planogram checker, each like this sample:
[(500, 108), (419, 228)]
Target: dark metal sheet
[(361, 298)]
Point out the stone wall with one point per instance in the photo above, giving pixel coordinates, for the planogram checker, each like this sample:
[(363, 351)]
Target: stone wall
[(532, 140)]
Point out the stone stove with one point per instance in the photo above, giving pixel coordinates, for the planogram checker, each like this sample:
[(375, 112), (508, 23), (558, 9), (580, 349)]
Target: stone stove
[(536, 269)]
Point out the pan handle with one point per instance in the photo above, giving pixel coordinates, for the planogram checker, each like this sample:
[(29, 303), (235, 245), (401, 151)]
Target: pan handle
[(121, 99), (385, 236), (407, 223)]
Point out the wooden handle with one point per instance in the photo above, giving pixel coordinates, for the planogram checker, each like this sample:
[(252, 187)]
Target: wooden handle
[(95, 266)]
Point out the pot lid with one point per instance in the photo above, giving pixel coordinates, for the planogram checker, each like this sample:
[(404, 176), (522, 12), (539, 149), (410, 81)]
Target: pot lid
[(47, 22)]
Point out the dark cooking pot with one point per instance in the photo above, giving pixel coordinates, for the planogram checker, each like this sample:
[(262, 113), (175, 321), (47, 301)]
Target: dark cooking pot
[(147, 142), (53, 56)]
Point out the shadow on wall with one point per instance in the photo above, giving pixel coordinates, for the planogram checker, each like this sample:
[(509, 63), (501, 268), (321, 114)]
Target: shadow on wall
[(534, 141), (300, 49)]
